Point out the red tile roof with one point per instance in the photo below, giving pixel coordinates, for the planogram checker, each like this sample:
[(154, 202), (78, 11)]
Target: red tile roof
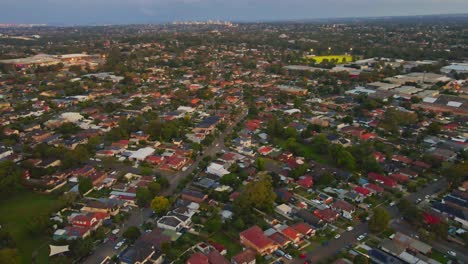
[(362, 190), (374, 187), (198, 258), (255, 236), (245, 257), (291, 233), (303, 228), (306, 181)]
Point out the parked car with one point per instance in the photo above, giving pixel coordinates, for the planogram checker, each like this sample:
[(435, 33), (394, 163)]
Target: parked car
[(337, 236), (115, 231), (287, 256), (119, 245), (452, 253), (361, 237), (349, 228), (279, 253)]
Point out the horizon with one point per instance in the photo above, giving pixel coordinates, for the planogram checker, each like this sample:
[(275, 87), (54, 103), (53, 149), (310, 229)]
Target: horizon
[(297, 20), (122, 12)]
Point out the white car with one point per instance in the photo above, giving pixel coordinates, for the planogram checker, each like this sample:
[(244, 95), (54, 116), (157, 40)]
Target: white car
[(337, 236), (349, 228), (287, 256), (115, 231), (361, 237), (119, 245), (452, 253)]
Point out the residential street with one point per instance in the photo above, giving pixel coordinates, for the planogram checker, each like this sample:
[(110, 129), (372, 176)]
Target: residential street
[(335, 245), (346, 238), (138, 216)]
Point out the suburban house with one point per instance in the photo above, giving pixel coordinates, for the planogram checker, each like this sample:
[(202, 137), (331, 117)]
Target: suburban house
[(245, 257), (254, 238), (344, 208), (194, 196)]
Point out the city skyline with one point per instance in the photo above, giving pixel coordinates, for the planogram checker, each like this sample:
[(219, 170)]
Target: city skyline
[(86, 12)]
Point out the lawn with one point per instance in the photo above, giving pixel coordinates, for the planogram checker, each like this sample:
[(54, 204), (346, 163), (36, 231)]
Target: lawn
[(15, 213), (436, 255), (339, 58)]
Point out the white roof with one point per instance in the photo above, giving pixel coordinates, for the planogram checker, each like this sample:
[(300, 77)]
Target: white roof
[(429, 100), (284, 207), (142, 153), (216, 169), (454, 104), (54, 250), (292, 111)]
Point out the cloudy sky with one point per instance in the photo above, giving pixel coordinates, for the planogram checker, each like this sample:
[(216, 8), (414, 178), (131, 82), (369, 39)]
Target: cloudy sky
[(156, 11)]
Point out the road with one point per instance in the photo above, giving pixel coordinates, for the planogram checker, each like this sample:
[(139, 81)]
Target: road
[(335, 245), (139, 216), (347, 238), (400, 225), (216, 146)]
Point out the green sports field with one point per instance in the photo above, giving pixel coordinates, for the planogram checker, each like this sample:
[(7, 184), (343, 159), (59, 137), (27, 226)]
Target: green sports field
[(340, 58)]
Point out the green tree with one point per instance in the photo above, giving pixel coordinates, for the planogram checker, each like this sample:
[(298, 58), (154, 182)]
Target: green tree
[(143, 196), (230, 179), (160, 204), (258, 194), (154, 188), (84, 184), (10, 178), (260, 163), (457, 173), (163, 182), (81, 247), (132, 233), (379, 220)]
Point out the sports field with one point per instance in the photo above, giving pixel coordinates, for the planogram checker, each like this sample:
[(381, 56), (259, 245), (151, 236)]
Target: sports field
[(15, 214), (340, 58)]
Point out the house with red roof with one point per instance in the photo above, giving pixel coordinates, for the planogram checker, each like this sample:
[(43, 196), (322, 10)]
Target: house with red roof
[(400, 178), (280, 239), (344, 208), (214, 257), (379, 157), (121, 143), (87, 220), (362, 191), (327, 215), (198, 258), (402, 159), (220, 248), (294, 235), (304, 228), (387, 181), (176, 162), (374, 188), (306, 181), (255, 239), (247, 256), (265, 150), (368, 136), (421, 165), (155, 160), (253, 125)]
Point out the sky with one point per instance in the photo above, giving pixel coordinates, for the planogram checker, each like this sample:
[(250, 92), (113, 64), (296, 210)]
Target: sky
[(88, 12)]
